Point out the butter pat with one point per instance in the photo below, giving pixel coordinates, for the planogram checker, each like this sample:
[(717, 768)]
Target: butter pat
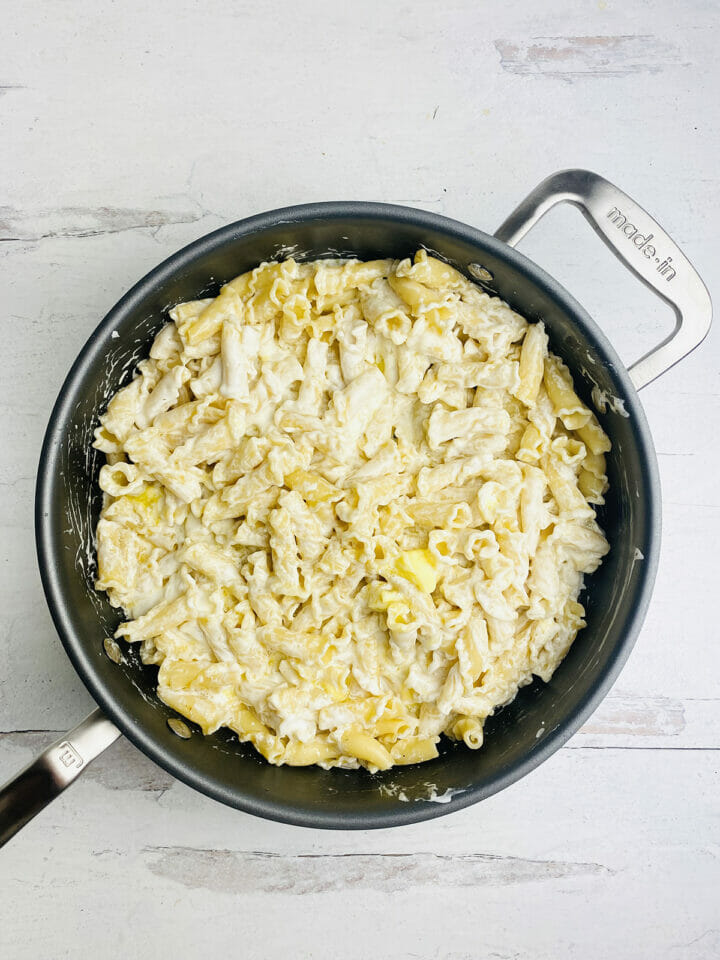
[(419, 567)]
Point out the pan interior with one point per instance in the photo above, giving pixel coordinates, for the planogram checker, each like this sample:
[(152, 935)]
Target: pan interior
[(520, 735)]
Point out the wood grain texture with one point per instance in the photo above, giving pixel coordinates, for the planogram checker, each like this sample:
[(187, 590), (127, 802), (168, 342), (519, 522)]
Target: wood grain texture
[(135, 128), (572, 58), (19, 227)]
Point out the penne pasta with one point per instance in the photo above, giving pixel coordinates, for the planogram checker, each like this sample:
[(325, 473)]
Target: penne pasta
[(348, 508)]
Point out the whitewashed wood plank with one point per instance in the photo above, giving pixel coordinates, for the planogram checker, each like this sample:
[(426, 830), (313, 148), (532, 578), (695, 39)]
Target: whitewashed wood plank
[(567, 884), (573, 58), (125, 781)]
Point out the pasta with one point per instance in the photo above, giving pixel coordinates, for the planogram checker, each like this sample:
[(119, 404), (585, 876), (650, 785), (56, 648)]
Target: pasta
[(348, 508)]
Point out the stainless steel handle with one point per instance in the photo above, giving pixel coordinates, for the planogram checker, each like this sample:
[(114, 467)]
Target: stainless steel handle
[(42, 780), (642, 245)]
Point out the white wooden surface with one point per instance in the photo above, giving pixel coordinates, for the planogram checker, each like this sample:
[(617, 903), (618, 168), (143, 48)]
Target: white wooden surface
[(129, 129)]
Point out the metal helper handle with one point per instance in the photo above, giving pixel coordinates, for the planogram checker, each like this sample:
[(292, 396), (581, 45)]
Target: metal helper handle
[(642, 245), (47, 776)]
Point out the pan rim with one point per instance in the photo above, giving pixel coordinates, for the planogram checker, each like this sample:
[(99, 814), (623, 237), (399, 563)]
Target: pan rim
[(75, 646)]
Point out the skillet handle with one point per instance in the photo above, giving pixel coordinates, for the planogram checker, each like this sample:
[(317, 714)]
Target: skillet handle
[(641, 244), (45, 777)]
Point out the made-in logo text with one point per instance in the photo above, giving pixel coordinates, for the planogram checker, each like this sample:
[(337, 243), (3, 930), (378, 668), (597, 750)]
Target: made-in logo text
[(642, 242)]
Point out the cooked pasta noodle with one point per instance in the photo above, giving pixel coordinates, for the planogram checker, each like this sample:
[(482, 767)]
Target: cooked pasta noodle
[(348, 508)]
